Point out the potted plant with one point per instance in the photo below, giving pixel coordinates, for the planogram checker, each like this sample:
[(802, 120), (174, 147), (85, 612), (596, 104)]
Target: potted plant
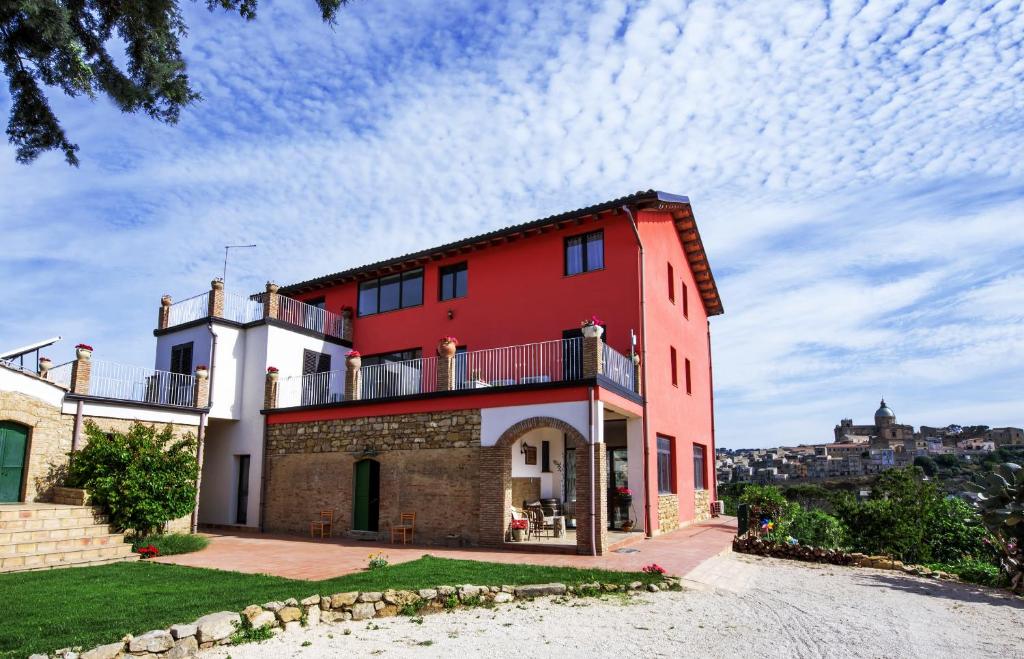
[(44, 365), (592, 327), (519, 527), (273, 373), (202, 371), (446, 346), (627, 526), (83, 351), (354, 359), (624, 495)]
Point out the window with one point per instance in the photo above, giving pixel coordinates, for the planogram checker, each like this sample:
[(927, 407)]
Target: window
[(454, 281), (315, 390), (672, 365), (698, 467), (686, 300), (399, 356), (665, 485), (584, 253), (388, 378), (545, 456), (391, 292), (671, 284), (686, 374), (315, 362), (181, 358)]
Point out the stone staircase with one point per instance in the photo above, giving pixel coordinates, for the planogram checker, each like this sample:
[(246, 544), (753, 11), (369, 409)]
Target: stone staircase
[(40, 536)]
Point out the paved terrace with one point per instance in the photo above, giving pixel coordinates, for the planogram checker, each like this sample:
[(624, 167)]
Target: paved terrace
[(678, 552)]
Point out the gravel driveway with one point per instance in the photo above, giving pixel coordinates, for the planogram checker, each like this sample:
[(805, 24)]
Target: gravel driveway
[(733, 605)]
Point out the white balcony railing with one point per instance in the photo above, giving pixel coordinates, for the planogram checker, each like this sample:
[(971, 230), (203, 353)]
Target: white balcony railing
[(246, 309), (309, 317), (125, 382), (61, 374), (531, 363), (193, 308), (242, 308)]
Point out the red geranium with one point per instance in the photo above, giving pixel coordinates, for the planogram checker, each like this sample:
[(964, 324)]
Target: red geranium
[(272, 369), (149, 551), (624, 491), (353, 354), (83, 346), (520, 524), (449, 339), (654, 568)]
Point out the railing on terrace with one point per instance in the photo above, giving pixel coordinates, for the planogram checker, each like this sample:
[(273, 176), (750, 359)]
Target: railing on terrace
[(61, 374), (185, 311), (309, 317), (125, 382), (242, 308), (10, 363), (532, 363)]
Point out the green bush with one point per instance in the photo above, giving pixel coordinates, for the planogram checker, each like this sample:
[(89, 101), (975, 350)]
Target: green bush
[(1000, 502), (172, 543), (816, 528), (955, 532), (767, 502), (980, 572), (143, 478), (927, 464)]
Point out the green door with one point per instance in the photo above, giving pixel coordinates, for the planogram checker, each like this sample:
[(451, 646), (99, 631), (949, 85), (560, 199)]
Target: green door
[(13, 440), (366, 495)]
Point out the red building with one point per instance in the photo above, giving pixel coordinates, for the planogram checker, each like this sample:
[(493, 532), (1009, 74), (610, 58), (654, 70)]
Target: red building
[(368, 414)]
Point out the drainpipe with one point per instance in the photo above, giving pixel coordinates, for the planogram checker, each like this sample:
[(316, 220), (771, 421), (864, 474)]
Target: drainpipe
[(76, 433), (648, 531), (199, 476), (593, 481), (711, 392), (213, 360)]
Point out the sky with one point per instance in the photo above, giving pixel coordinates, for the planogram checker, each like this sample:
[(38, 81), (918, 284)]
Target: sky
[(855, 169)]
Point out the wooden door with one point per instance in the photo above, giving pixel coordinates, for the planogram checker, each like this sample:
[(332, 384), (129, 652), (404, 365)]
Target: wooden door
[(13, 441), (366, 495)]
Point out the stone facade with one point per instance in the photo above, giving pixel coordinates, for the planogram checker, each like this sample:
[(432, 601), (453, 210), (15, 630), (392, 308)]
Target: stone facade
[(668, 513), (428, 463), (525, 489), (701, 505), (49, 441)]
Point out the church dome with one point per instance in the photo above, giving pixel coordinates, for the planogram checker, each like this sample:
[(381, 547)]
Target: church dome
[(884, 412)]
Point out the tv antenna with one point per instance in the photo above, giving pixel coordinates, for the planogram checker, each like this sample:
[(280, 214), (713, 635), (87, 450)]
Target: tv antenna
[(224, 275)]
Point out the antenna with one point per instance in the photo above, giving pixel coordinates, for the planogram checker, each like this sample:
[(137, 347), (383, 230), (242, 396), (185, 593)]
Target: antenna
[(224, 276)]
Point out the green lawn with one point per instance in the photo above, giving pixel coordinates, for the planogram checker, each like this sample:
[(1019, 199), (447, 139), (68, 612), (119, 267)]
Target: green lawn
[(44, 611)]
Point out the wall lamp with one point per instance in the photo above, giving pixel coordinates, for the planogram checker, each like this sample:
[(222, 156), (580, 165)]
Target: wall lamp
[(451, 314)]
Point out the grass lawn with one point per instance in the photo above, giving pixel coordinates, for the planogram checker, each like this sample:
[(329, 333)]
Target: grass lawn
[(44, 611)]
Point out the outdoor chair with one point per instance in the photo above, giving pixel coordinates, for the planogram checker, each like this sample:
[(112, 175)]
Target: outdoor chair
[(325, 525), (539, 524), (406, 527)]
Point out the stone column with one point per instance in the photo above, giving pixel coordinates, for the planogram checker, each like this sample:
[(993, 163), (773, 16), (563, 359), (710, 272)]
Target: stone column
[(346, 324), (216, 309), (81, 370), (495, 494), (270, 391), (201, 389), (583, 519), (593, 356), (164, 319), (353, 378), (271, 301)]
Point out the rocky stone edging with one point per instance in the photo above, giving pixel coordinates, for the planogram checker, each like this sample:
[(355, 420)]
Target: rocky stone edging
[(185, 640), (760, 547)]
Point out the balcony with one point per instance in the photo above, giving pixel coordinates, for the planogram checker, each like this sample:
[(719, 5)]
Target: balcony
[(131, 383), (519, 365), (248, 309)]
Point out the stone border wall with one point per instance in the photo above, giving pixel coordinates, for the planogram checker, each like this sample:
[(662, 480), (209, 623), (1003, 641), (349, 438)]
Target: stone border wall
[(185, 640), (668, 513)]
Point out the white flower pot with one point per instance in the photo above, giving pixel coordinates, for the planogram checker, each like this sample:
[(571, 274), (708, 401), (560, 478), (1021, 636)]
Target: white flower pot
[(82, 353), (593, 331)]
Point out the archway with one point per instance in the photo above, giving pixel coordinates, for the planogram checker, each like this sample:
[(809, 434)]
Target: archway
[(496, 485)]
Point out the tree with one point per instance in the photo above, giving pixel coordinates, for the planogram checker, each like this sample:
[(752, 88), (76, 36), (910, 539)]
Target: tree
[(143, 478), (63, 44), (927, 464)]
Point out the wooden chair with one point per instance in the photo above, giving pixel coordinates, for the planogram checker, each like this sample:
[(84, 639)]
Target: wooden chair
[(324, 525), (539, 524), (406, 527)]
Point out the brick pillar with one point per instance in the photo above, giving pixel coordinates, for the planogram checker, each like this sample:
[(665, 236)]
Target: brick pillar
[(270, 391), (593, 357), (216, 309), (353, 378), (445, 372), (201, 389), (164, 318), (271, 301), (495, 494), (636, 375), (583, 544), (346, 324), (81, 369)]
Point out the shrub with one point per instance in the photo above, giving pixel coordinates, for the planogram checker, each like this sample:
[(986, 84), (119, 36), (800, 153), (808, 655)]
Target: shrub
[(817, 528), (378, 561), (927, 465), (1001, 505), (955, 532), (767, 504), (143, 478), (976, 571), (172, 543), (246, 633)]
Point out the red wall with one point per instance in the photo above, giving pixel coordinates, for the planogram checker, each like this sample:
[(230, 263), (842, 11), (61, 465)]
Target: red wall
[(517, 294), (670, 410)]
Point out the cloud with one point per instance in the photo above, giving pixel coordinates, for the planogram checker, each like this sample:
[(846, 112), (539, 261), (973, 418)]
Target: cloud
[(854, 168)]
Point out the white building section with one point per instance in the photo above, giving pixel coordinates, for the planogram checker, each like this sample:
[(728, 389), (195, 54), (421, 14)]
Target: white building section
[(496, 420)]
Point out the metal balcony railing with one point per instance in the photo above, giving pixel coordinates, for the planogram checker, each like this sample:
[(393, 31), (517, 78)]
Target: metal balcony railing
[(193, 308), (146, 385), (309, 317), (246, 309), (61, 374), (619, 368)]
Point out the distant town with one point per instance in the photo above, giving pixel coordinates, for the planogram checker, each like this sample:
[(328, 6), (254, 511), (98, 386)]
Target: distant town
[(861, 450)]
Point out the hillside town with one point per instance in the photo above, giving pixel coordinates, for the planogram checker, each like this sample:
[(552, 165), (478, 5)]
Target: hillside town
[(861, 450)]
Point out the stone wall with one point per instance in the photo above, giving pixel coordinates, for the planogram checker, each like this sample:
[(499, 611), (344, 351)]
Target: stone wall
[(49, 441), (525, 489), (668, 513), (701, 505), (428, 465)]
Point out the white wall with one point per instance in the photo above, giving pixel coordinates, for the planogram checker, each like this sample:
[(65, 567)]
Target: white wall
[(496, 420), (12, 380), (132, 413), (635, 455), (550, 482)]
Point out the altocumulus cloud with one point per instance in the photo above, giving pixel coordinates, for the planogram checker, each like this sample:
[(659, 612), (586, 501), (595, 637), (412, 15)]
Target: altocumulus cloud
[(855, 168)]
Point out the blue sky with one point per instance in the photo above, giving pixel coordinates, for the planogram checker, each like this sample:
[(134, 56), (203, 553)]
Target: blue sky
[(855, 169)]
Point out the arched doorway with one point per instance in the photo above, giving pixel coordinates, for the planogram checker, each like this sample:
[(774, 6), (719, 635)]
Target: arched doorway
[(13, 449), (496, 485), (366, 495)]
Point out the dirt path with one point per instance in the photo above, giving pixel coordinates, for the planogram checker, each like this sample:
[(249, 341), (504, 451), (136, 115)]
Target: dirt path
[(734, 605)]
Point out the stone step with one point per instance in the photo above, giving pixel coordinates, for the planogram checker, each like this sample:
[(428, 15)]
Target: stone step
[(72, 543), (71, 563), (8, 537), (48, 523), (28, 561), (15, 512)]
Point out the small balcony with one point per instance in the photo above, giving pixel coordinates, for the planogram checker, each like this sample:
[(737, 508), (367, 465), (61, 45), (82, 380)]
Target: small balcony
[(130, 383), (510, 366), (249, 309)]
